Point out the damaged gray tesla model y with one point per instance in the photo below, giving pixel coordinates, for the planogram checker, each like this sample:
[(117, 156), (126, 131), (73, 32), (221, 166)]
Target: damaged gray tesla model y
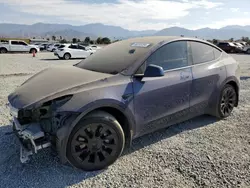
[(93, 110)]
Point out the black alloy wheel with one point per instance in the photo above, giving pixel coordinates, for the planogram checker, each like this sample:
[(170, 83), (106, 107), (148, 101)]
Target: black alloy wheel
[(227, 101), (95, 144)]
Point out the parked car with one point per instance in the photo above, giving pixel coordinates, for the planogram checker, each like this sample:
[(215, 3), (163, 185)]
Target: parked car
[(94, 47), (239, 45), (52, 47), (17, 46), (91, 111), (229, 47), (246, 49), (73, 51)]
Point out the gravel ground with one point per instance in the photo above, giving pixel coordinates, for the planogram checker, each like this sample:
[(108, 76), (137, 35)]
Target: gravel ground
[(201, 152)]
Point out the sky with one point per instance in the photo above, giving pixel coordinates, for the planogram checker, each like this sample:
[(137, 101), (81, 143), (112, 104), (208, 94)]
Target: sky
[(129, 14)]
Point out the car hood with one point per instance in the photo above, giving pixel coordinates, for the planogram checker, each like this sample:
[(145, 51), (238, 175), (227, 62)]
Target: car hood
[(52, 83)]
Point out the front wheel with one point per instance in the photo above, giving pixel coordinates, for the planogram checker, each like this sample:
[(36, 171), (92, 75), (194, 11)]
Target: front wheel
[(96, 142), (227, 102)]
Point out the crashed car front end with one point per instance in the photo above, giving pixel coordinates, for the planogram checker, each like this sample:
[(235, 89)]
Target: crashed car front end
[(36, 128)]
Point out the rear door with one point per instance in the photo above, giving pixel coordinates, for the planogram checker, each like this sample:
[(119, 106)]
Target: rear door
[(208, 74), (162, 101), (83, 52)]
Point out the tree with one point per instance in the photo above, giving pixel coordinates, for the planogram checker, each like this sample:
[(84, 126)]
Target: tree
[(63, 41), (231, 40), (74, 40), (78, 40), (105, 40), (245, 39), (53, 37), (99, 40), (215, 41), (91, 42), (60, 37), (87, 40), (34, 37)]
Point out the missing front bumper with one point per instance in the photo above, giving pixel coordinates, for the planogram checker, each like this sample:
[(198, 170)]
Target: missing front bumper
[(31, 137)]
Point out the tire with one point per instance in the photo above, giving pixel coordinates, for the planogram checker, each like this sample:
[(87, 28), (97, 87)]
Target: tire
[(53, 50), (227, 101), (90, 152), (3, 50), (33, 49), (66, 56), (248, 51)]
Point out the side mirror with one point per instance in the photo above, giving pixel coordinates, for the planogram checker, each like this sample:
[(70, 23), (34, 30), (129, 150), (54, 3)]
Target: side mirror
[(153, 71)]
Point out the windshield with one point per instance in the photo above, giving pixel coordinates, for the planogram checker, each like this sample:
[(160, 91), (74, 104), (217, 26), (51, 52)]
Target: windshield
[(118, 56)]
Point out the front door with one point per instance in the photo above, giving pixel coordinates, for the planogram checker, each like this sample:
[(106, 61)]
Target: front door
[(163, 101)]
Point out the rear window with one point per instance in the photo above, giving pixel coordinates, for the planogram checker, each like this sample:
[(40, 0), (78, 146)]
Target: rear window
[(62, 46)]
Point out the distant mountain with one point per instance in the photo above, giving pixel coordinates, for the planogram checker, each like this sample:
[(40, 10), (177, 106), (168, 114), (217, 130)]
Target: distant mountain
[(228, 32), (114, 32), (44, 30)]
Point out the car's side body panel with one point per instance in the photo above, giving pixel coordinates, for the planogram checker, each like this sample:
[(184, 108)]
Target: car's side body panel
[(157, 99)]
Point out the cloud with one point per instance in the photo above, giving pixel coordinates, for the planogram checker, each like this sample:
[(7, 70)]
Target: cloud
[(234, 9), (125, 13)]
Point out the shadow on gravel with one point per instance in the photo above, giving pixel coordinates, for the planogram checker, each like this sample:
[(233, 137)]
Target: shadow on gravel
[(45, 169), (173, 130), (244, 77)]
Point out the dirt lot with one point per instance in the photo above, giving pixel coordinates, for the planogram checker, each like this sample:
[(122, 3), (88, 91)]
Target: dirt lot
[(201, 152)]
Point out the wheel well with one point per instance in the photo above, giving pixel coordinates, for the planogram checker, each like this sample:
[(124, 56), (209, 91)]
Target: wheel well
[(233, 83), (122, 119), (33, 49), (3, 48), (67, 53)]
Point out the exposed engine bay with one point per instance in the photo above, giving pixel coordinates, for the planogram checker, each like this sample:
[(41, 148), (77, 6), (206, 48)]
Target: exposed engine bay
[(36, 128)]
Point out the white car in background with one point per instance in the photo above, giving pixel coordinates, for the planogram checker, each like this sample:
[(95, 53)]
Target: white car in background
[(94, 47), (53, 47), (73, 51)]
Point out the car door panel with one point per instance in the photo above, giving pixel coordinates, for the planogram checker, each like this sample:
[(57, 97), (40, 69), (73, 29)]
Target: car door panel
[(159, 100), (207, 77), (156, 99)]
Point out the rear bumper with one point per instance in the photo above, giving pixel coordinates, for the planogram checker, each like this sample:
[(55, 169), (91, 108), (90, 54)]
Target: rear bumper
[(31, 138)]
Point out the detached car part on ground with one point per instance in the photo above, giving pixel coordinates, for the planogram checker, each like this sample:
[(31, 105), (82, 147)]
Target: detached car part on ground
[(91, 111)]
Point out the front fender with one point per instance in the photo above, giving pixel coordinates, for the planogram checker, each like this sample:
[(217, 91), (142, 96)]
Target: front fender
[(64, 132)]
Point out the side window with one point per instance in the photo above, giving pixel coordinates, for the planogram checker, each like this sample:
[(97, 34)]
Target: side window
[(170, 56), (73, 46), (217, 53), (22, 43), (81, 47), (202, 52), (14, 42)]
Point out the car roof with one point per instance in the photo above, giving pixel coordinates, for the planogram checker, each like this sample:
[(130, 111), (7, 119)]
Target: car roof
[(123, 53)]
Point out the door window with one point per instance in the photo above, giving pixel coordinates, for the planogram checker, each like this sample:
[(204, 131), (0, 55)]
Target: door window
[(170, 56), (22, 43), (201, 52), (14, 42)]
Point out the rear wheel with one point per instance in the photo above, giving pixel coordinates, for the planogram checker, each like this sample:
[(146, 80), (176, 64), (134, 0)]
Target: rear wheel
[(96, 142), (33, 50), (3, 51), (67, 56), (227, 102), (248, 51)]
